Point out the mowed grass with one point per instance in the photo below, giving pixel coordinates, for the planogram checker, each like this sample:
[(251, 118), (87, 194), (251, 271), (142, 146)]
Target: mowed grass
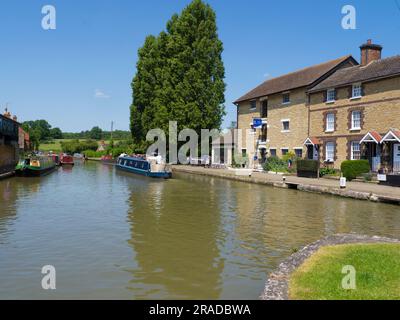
[(377, 269), (55, 146)]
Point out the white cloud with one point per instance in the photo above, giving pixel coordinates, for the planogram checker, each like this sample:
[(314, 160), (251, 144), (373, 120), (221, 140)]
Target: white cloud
[(266, 75), (99, 94)]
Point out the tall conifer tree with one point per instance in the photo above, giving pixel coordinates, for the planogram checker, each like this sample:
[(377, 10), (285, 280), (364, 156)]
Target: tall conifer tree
[(180, 75)]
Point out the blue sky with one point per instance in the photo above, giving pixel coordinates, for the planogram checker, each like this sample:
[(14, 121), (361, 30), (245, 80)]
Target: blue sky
[(79, 75)]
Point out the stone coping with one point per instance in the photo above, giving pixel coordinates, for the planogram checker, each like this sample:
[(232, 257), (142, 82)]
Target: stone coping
[(277, 285), (308, 185)]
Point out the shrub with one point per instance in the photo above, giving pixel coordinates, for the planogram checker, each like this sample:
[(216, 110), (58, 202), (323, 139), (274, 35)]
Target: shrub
[(239, 160), (327, 171), (76, 146), (351, 169), (275, 164), (307, 168), (94, 154), (307, 165)]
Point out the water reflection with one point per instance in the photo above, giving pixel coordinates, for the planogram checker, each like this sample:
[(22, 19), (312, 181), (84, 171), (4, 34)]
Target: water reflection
[(175, 240), (117, 235)]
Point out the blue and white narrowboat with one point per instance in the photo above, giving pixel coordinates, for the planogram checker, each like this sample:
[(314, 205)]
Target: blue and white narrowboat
[(151, 167)]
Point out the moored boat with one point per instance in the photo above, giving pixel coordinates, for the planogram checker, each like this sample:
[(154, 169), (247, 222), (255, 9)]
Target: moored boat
[(55, 158), (66, 160), (35, 166), (108, 159), (153, 167)]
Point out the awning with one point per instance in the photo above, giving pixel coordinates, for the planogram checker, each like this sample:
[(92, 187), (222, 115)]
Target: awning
[(392, 136), (312, 141), (372, 136)]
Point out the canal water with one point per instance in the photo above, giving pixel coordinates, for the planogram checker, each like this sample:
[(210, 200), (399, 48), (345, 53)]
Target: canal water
[(112, 235)]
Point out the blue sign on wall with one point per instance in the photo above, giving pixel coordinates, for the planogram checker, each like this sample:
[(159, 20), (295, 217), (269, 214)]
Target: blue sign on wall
[(257, 123)]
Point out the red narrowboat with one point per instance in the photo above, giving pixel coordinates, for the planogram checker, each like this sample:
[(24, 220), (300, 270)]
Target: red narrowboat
[(66, 160), (108, 159)]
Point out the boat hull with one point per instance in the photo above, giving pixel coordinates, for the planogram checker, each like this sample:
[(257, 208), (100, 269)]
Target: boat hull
[(67, 163), (161, 175), (30, 172)]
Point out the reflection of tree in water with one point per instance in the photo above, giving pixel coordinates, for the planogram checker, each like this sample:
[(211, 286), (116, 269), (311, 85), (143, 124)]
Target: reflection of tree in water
[(174, 235)]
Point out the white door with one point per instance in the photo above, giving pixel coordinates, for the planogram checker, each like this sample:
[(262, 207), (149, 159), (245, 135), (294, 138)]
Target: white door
[(396, 157)]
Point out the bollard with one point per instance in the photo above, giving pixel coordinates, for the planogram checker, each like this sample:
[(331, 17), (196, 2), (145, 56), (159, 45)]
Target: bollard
[(342, 183)]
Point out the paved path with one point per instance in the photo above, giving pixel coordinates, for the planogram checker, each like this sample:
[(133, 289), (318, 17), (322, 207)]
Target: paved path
[(357, 190)]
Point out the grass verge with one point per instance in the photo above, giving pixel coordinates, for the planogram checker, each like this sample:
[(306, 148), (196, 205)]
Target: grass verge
[(377, 277)]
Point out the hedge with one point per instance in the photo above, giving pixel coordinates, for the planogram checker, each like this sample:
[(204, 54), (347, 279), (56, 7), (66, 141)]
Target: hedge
[(307, 168), (351, 169)]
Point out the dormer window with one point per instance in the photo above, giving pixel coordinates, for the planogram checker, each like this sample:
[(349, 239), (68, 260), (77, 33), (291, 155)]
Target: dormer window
[(330, 95), (356, 91), (286, 98), (253, 105)]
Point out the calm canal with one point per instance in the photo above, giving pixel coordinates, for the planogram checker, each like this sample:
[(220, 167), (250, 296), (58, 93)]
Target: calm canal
[(119, 236)]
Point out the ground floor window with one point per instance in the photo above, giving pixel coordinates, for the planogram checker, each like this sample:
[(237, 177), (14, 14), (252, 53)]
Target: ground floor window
[(330, 151), (272, 152), (284, 151), (355, 150), (299, 153), (244, 152)]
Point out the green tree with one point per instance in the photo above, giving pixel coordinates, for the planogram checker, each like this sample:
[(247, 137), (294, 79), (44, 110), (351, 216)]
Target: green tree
[(56, 133), (41, 128), (180, 75), (95, 133)]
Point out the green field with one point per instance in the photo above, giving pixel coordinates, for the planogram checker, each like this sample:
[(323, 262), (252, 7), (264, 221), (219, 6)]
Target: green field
[(377, 273), (55, 146)]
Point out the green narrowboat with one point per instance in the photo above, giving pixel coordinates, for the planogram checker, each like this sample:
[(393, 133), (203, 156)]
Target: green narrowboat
[(34, 167)]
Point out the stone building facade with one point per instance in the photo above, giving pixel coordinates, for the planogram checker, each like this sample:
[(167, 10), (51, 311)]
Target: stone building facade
[(273, 117), (9, 149), (354, 114), (336, 111)]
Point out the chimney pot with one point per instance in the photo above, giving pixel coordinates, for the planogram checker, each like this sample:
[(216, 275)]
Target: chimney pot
[(370, 52)]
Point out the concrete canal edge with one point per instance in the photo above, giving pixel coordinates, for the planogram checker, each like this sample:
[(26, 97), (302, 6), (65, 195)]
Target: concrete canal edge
[(229, 174), (277, 285)]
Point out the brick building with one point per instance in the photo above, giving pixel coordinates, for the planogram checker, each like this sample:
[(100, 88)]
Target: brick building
[(332, 112), (355, 113), (273, 117), (9, 152)]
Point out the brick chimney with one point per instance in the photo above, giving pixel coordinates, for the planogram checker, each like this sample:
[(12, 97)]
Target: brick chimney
[(370, 52)]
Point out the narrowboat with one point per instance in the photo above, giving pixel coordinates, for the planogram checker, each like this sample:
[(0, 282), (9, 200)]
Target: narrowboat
[(108, 159), (66, 160), (35, 166), (56, 158), (152, 167)]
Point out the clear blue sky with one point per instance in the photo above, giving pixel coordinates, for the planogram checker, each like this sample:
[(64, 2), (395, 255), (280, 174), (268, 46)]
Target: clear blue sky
[(79, 75)]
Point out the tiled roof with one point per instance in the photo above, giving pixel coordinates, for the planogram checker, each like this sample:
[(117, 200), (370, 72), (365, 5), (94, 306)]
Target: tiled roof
[(301, 78), (374, 134), (376, 69), (312, 140)]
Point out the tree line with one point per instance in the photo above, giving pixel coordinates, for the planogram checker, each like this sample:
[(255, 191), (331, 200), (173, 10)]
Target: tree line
[(180, 75), (41, 131)]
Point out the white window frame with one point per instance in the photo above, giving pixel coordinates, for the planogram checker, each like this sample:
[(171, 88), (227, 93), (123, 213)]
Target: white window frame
[(330, 124), (330, 92), (283, 95), (353, 119), (283, 128), (356, 91), (274, 150), (330, 154), (251, 105), (353, 144)]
